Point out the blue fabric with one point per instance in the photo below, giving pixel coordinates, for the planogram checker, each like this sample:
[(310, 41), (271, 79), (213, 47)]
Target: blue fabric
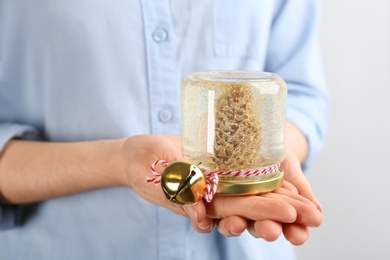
[(8, 216), (100, 69)]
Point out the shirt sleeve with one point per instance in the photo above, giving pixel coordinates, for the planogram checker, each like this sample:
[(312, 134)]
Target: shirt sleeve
[(9, 213), (294, 54)]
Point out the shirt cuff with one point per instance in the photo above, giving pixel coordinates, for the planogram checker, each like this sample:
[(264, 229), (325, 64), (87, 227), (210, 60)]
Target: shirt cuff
[(11, 130), (313, 132), (8, 216), (8, 213)]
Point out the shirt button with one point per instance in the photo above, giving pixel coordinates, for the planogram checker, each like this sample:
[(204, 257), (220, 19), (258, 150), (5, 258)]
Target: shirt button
[(160, 35), (165, 115)]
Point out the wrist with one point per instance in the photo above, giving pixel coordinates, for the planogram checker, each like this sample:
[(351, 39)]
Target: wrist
[(110, 155), (36, 171)]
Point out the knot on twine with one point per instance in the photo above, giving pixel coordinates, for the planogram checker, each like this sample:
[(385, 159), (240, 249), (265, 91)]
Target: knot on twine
[(212, 177)]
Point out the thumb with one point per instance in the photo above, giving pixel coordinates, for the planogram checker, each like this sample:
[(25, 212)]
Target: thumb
[(199, 220), (293, 173), (196, 212)]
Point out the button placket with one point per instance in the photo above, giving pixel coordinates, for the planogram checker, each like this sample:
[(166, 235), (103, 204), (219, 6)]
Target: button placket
[(161, 54)]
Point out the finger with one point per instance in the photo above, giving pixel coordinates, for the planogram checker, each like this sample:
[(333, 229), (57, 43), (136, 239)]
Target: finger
[(206, 226), (266, 229), (232, 226), (289, 186), (293, 173), (199, 221), (295, 233), (306, 213), (196, 212), (251, 229), (296, 196), (251, 207)]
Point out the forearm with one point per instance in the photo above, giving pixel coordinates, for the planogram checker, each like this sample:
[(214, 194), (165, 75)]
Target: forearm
[(296, 142), (35, 171)]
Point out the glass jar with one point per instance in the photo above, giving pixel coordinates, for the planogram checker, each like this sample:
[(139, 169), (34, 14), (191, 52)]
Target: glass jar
[(235, 121)]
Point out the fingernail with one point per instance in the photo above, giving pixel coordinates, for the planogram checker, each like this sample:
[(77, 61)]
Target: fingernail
[(202, 227), (234, 234), (191, 213)]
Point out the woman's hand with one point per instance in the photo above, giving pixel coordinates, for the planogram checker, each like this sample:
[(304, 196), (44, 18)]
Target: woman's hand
[(284, 210), (139, 152), (266, 216), (295, 189)]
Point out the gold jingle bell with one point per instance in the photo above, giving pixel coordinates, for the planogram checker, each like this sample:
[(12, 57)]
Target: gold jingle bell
[(183, 183)]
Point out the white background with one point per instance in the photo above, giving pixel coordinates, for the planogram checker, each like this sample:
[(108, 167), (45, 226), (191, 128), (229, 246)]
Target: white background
[(351, 176)]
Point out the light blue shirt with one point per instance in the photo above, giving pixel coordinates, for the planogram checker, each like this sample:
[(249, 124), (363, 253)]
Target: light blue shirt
[(100, 69)]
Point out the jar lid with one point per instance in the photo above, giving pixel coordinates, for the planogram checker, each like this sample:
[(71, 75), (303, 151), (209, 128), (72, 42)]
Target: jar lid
[(251, 186)]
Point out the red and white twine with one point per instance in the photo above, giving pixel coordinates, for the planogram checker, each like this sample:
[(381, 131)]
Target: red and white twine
[(212, 178), (157, 176)]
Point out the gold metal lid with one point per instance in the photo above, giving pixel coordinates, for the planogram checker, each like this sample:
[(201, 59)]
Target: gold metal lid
[(250, 186)]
